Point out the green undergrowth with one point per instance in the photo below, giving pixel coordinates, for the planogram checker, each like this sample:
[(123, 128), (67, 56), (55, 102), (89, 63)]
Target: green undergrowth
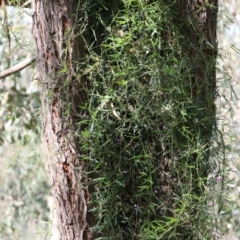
[(155, 157)]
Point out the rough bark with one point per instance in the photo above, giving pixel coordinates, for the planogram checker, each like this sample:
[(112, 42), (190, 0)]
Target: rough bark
[(57, 47)]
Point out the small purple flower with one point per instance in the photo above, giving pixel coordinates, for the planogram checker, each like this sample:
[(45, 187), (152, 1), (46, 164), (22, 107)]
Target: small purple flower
[(211, 204), (156, 191), (219, 179), (165, 127), (136, 205), (33, 223), (125, 172)]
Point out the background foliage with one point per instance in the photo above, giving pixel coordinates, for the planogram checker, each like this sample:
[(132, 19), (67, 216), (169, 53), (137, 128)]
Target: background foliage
[(228, 37), (23, 177)]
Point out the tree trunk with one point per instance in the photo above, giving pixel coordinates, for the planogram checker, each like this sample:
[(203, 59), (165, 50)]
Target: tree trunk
[(57, 46), (198, 19)]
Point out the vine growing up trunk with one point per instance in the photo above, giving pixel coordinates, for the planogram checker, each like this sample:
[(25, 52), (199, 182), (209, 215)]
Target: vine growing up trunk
[(153, 119), (58, 48), (151, 114)]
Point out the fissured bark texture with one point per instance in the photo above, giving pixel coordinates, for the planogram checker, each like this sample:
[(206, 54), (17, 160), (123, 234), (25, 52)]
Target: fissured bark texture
[(57, 46)]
